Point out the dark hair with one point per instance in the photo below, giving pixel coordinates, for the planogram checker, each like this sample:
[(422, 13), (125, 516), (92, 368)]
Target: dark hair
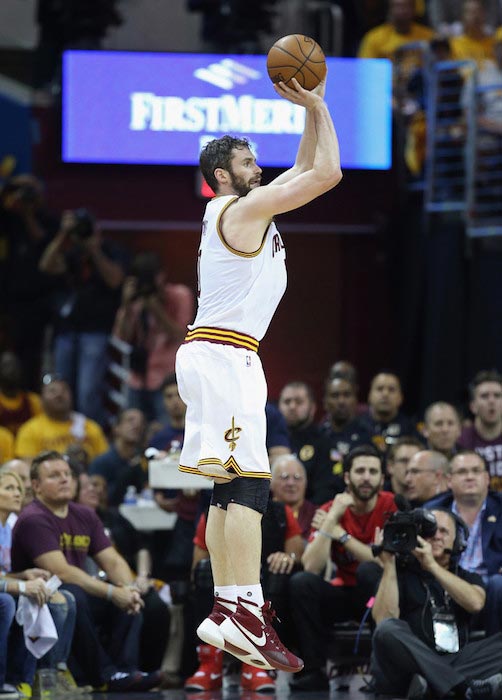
[(41, 457), (218, 154), (461, 453), (340, 377), (300, 385), (169, 381), (361, 451), (486, 375), (145, 264), (403, 440), (349, 373), (388, 372)]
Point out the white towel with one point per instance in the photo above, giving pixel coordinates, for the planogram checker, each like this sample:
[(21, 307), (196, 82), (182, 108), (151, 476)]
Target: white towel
[(40, 632)]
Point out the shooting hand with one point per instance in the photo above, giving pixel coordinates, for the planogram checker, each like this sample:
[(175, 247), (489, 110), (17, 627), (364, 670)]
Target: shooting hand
[(298, 95)]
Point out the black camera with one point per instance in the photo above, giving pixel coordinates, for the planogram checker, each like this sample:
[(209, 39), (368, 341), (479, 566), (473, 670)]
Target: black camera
[(83, 227), (402, 529), (145, 285)]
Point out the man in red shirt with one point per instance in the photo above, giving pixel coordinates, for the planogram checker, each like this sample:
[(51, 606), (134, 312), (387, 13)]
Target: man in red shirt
[(342, 534)]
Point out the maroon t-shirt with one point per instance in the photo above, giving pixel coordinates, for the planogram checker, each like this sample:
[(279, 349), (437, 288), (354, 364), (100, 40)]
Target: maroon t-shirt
[(38, 531), (362, 527), (491, 450)]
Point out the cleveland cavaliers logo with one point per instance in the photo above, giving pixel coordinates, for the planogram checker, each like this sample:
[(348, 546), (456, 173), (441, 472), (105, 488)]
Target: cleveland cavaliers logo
[(232, 435)]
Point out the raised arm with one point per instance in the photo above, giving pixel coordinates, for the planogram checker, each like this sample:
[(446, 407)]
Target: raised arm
[(306, 150), (245, 221)]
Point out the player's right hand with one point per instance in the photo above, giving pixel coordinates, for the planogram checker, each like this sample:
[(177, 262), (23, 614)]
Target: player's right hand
[(321, 88), (306, 98)]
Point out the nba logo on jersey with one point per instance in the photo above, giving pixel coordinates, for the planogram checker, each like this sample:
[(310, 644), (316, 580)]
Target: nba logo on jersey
[(248, 360)]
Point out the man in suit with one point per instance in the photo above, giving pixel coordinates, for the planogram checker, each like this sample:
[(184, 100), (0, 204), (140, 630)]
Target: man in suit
[(481, 509)]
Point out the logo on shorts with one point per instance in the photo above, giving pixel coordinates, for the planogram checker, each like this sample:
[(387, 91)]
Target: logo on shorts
[(232, 435)]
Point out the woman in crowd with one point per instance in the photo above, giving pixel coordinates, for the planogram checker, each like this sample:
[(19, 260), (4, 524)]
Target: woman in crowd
[(17, 664)]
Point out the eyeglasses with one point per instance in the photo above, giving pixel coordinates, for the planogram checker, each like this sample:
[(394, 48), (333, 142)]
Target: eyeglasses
[(295, 477), (464, 471)]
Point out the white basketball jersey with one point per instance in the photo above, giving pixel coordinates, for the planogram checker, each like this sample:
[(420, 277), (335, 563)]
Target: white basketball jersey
[(238, 291)]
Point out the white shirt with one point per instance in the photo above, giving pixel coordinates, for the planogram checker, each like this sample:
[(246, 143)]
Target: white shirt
[(238, 291)]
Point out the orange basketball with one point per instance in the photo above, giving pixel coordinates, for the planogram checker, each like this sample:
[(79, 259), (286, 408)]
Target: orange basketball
[(296, 56)]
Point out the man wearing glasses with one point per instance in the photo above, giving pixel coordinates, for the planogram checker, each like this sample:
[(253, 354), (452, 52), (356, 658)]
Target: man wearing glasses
[(481, 509), (425, 476)]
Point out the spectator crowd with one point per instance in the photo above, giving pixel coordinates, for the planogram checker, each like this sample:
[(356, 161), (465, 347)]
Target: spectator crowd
[(336, 485)]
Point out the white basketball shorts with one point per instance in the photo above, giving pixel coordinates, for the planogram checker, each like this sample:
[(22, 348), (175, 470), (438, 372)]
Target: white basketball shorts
[(225, 392)]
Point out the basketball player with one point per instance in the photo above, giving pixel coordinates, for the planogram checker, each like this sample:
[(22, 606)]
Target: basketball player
[(242, 277)]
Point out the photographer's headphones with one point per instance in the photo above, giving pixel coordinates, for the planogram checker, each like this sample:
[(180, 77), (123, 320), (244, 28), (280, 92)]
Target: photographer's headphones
[(461, 532)]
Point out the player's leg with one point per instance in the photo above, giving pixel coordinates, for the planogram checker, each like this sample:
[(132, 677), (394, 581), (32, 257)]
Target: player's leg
[(248, 633), (243, 542), (225, 595), (223, 574)]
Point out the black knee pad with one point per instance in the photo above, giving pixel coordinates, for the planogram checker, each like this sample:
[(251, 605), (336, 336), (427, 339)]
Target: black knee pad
[(243, 490)]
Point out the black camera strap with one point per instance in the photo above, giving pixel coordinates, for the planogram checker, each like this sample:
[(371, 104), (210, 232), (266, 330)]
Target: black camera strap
[(444, 624)]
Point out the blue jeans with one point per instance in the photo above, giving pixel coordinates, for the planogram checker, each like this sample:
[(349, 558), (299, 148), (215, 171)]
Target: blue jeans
[(7, 612), (81, 360), (64, 615), (17, 664), (96, 664)]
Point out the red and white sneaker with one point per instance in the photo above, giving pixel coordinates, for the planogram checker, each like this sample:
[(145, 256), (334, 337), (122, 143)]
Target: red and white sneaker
[(254, 641), (209, 629), (256, 679), (209, 675)]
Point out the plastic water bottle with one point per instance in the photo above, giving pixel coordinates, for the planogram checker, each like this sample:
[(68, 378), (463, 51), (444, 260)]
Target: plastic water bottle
[(131, 496), (146, 497)]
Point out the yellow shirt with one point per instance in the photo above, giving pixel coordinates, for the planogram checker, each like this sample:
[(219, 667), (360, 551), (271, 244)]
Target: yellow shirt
[(498, 34), (6, 445), (382, 41), (463, 48), (43, 433), (11, 409)]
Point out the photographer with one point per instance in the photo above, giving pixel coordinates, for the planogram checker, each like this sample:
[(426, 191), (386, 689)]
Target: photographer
[(343, 531), (423, 608), (26, 227), (153, 318), (92, 271)]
